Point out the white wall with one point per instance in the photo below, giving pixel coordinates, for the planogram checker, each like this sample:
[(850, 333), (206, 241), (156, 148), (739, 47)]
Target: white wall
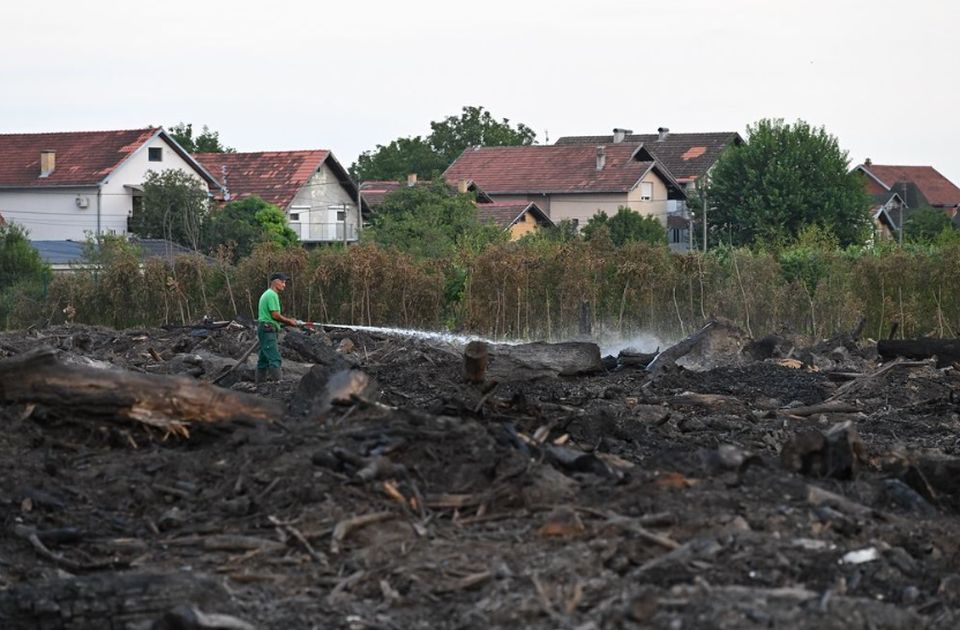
[(117, 201), (317, 220), (53, 214)]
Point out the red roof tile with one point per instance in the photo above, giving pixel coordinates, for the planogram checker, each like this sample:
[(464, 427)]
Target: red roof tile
[(937, 189), (274, 176), (83, 158), (549, 169), (686, 155), (505, 214)]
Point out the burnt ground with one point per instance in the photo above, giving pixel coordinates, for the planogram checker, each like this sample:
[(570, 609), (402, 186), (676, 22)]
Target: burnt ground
[(609, 500)]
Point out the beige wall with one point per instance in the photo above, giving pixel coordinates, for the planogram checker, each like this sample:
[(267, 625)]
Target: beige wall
[(318, 221), (582, 207), (527, 225)]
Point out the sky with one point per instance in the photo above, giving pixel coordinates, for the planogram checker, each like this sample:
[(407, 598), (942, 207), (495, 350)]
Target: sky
[(882, 76)]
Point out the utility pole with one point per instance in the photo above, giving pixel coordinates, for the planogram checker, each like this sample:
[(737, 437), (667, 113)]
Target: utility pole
[(703, 197), (903, 187)]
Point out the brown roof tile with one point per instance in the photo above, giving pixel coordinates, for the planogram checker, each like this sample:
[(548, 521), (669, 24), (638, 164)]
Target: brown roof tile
[(83, 158), (549, 169), (936, 189), (274, 176), (686, 155), (505, 214)]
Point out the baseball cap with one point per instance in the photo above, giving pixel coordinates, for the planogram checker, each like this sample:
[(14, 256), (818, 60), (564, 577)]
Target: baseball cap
[(279, 275)]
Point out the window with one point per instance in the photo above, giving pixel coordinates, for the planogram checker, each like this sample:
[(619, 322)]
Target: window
[(155, 154), (341, 215), (294, 216), (646, 191)]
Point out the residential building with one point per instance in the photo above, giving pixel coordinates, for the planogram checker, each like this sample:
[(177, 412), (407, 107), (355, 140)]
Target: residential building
[(901, 190), (520, 219), (688, 157), (65, 186), (311, 187), (570, 182)]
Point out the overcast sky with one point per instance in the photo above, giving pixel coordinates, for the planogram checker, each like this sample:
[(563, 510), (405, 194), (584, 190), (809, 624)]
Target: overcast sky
[(882, 76)]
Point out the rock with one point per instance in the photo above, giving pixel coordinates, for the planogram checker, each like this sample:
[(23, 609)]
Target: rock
[(347, 386), (655, 414), (949, 589), (835, 453), (346, 346)]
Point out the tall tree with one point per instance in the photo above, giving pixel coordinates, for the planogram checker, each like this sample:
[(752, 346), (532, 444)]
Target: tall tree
[(429, 156), (785, 177), (174, 207), (242, 224), (206, 142), (925, 224), (430, 222)]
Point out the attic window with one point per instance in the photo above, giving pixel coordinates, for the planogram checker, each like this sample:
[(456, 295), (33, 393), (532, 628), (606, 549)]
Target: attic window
[(155, 154)]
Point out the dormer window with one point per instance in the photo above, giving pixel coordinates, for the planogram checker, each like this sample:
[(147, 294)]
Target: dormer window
[(155, 154)]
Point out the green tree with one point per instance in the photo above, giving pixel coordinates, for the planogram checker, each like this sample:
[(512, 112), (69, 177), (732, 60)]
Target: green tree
[(784, 177), (475, 127), (430, 156), (174, 207), (273, 222), (236, 225), (924, 225), (562, 232), (430, 222), (206, 142), (627, 226), (23, 274), (398, 159)]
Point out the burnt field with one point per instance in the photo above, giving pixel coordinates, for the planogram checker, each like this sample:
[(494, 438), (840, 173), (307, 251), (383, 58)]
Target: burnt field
[(736, 485)]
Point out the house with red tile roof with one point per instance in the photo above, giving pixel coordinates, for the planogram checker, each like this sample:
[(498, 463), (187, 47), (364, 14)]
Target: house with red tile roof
[(688, 157), (520, 219), (63, 186), (898, 191), (311, 187), (570, 182)]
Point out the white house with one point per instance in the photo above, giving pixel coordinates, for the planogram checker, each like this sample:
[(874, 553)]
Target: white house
[(62, 186)]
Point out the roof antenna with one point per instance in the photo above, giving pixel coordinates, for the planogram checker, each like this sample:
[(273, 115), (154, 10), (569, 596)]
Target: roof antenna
[(546, 136)]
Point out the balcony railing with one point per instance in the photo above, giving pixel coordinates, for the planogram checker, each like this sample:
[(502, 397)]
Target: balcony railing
[(325, 232)]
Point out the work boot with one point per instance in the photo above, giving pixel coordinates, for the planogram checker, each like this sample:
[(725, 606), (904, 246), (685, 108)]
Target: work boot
[(261, 376), (274, 374)]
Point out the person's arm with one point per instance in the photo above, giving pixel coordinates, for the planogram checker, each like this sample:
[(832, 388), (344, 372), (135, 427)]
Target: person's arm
[(283, 320)]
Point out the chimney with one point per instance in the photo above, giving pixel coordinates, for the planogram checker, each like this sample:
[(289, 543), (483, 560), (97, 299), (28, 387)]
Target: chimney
[(48, 162), (412, 179), (462, 186), (664, 132), (868, 162), (601, 157), (619, 135)]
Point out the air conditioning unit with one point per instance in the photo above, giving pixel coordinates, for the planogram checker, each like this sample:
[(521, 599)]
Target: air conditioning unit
[(82, 202)]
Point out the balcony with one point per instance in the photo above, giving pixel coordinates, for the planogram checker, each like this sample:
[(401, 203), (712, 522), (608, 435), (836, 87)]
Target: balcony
[(325, 232)]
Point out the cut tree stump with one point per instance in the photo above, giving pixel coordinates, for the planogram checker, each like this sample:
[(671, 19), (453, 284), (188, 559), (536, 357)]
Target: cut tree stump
[(170, 403), (106, 600)]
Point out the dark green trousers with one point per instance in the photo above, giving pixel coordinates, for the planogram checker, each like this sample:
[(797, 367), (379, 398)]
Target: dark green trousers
[(269, 356)]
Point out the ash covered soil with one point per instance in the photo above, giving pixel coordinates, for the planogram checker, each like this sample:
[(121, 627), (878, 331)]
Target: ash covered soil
[(617, 499)]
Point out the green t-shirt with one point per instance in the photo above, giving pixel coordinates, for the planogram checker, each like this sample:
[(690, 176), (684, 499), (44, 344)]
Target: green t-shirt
[(269, 302)]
